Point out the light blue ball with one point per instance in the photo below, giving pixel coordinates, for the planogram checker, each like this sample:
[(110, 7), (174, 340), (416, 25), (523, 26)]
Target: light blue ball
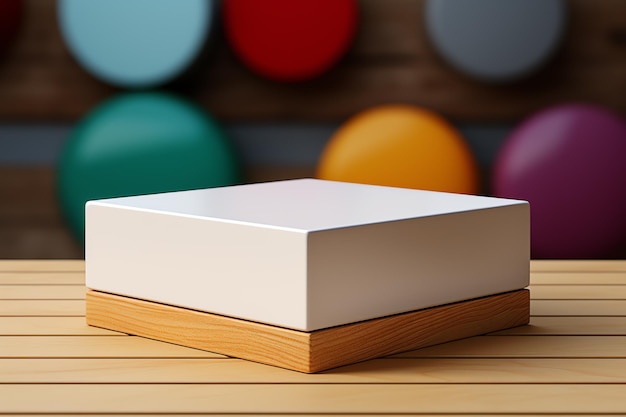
[(135, 43)]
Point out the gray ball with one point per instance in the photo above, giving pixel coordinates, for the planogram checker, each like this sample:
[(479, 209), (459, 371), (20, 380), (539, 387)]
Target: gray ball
[(496, 40)]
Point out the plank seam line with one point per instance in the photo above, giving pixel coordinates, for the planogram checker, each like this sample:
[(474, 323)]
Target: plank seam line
[(564, 271), (54, 315), (382, 384), (510, 357), (577, 299), (536, 284), (117, 357), (505, 357), (403, 358), (304, 414), (316, 383), (40, 271), (559, 334), (547, 315), (42, 284), (42, 299), (130, 358), (61, 335), (76, 335), (383, 358)]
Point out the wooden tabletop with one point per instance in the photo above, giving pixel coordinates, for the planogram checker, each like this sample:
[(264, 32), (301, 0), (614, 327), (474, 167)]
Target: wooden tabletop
[(571, 359)]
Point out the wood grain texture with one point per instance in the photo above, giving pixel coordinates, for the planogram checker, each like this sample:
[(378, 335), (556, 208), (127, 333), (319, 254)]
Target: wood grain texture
[(590, 326), (577, 266), (42, 278), (579, 292), (233, 371), (42, 308), (578, 278), (45, 266), (315, 398), (391, 60), (520, 346), (249, 340), (583, 308), (84, 346), (59, 326), (346, 344), (541, 325), (534, 374), (313, 351), (43, 292), (292, 415), (119, 347)]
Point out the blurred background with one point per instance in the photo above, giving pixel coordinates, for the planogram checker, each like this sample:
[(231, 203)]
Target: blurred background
[(508, 98)]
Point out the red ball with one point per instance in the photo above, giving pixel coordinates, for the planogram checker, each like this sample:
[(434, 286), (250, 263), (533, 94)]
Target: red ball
[(10, 19), (289, 40)]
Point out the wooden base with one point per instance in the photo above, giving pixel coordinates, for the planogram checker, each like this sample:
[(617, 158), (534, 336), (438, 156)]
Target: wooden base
[(308, 351)]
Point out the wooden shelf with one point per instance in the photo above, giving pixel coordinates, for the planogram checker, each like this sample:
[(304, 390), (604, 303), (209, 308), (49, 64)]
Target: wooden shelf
[(308, 351)]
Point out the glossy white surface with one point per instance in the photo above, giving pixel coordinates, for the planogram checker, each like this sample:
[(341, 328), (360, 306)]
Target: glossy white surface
[(308, 204), (307, 254)]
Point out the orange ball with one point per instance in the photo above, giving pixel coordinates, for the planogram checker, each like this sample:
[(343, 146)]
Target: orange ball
[(400, 146)]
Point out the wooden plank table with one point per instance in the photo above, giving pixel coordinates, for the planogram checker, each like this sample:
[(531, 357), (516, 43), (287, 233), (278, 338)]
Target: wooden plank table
[(571, 359)]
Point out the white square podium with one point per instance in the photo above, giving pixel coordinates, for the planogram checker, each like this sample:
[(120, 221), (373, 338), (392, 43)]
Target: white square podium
[(306, 274)]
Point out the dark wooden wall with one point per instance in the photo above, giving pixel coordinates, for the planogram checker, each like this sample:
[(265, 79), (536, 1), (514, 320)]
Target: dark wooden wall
[(391, 61)]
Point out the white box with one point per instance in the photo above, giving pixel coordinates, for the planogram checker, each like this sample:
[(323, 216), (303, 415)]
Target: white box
[(307, 254)]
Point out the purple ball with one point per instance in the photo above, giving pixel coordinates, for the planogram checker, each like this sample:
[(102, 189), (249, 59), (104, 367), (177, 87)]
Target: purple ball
[(569, 162)]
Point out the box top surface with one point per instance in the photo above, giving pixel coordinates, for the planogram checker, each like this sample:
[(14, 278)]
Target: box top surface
[(307, 204)]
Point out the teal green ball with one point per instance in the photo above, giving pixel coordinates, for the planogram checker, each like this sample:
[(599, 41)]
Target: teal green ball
[(141, 143)]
